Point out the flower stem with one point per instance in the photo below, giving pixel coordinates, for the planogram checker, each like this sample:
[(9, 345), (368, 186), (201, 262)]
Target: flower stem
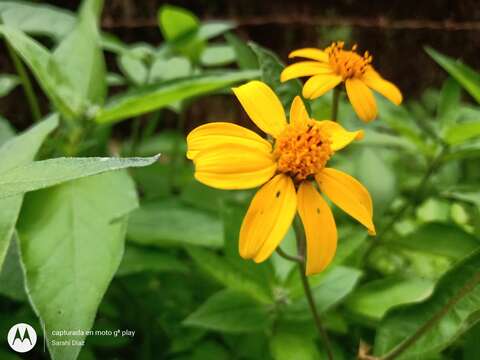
[(26, 84), (335, 99), (294, 258), (300, 236)]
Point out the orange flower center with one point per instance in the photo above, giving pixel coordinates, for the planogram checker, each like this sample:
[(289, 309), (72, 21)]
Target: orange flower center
[(347, 63), (302, 150)]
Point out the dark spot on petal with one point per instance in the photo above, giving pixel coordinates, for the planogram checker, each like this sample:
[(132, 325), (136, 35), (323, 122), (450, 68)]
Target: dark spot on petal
[(277, 194), (318, 211)]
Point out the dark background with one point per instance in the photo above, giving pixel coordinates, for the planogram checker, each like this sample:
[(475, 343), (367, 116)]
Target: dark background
[(393, 31)]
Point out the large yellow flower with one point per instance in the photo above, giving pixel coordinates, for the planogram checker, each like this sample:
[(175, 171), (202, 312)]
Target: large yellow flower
[(328, 68), (228, 156)]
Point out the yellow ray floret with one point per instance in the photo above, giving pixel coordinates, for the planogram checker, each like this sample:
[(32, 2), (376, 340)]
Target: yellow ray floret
[(288, 169)]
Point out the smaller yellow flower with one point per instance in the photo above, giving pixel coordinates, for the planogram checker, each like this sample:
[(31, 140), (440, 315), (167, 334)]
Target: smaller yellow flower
[(228, 156), (328, 68)]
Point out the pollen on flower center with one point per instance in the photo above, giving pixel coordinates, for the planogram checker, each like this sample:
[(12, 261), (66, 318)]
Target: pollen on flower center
[(302, 150), (347, 63)]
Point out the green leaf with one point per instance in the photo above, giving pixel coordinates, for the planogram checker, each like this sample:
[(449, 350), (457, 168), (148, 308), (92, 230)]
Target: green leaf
[(47, 72), (230, 311), (167, 69), (46, 173), (37, 19), (271, 67), (226, 273), (167, 222), (157, 96), (133, 64), (328, 290), (179, 27), (288, 346), (451, 310), (466, 76), (212, 29), (6, 130), (245, 56), (12, 283), (375, 298), (437, 238), (140, 259), (449, 102), (217, 55), (471, 348), (81, 56), (18, 151), (72, 240), (462, 132), (377, 175), (7, 83)]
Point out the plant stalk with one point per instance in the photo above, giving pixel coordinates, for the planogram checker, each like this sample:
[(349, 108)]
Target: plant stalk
[(300, 236), (26, 84), (335, 102)]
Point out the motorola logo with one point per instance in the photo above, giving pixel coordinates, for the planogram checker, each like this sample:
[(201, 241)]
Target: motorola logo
[(22, 337)]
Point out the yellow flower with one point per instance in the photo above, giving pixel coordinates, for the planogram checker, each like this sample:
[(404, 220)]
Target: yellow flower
[(228, 156), (328, 68)]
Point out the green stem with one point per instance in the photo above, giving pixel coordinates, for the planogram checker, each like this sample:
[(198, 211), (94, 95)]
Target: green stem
[(412, 339), (26, 84), (434, 165), (300, 236), (335, 101), (134, 138), (288, 257), (175, 159)]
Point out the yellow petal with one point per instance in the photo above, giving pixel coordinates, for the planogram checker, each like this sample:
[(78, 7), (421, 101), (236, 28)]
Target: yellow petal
[(384, 87), (319, 84), (348, 194), (304, 68), (362, 99), (310, 53), (320, 228), (268, 218), (298, 113), (218, 133), (339, 136), (262, 106), (234, 166)]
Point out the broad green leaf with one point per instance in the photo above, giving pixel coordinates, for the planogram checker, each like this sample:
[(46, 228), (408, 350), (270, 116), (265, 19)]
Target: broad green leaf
[(471, 349), (212, 29), (179, 27), (217, 55), (72, 240), (157, 96), (328, 290), (449, 102), (437, 238), (462, 132), (452, 309), (377, 175), (141, 259), (48, 73), (175, 21), (271, 67), (167, 69), (288, 346), (245, 56), (6, 130), (81, 56), (12, 283), (133, 63), (466, 76), (167, 222), (46, 173), (37, 19), (18, 151), (225, 272), (230, 311), (375, 298), (7, 83)]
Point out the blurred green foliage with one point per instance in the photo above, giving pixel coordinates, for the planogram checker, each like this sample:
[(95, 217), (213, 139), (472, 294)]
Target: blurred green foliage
[(153, 251)]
